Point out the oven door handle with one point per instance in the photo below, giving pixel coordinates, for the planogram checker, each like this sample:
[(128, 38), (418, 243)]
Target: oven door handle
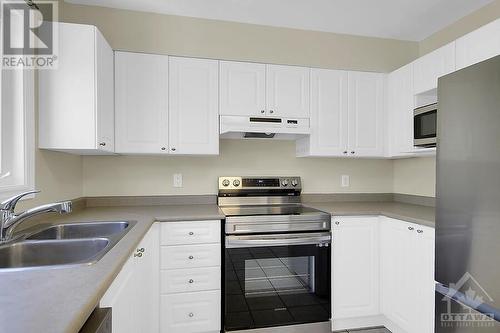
[(255, 241)]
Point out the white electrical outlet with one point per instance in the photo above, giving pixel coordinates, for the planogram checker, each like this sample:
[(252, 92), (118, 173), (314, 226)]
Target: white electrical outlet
[(177, 179), (345, 180)]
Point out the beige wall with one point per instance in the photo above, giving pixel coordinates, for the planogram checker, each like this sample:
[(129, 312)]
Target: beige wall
[(463, 26), (415, 176), (141, 175)]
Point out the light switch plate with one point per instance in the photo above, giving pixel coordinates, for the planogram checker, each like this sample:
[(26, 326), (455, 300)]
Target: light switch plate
[(345, 181), (177, 179)]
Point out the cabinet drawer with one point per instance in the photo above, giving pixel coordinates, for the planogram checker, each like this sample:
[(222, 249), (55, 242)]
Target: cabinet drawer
[(189, 280), (190, 256), (196, 232), (190, 312)]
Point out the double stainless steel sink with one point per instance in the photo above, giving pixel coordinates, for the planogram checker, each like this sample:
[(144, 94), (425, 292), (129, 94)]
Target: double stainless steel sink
[(63, 244)]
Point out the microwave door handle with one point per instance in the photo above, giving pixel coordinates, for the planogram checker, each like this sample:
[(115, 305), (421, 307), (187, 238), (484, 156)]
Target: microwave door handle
[(235, 242)]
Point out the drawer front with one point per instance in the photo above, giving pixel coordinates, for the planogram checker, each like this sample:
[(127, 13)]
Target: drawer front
[(196, 232), (191, 312), (190, 280), (190, 256)]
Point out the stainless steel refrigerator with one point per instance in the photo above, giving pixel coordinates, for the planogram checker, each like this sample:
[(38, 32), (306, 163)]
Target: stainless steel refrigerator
[(468, 201)]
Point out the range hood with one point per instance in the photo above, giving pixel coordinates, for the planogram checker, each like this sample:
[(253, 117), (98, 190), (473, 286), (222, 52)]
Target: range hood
[(244, 127)]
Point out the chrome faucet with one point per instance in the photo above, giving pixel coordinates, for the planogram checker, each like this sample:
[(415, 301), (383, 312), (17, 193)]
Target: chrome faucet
[(9, 219)]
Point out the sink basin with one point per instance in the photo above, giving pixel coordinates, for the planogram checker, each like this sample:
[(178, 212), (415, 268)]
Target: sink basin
[(52, 252), (81, 230)]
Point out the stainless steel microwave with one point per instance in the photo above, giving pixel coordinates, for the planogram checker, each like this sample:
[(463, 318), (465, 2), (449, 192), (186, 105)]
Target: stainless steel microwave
[(425, 125)]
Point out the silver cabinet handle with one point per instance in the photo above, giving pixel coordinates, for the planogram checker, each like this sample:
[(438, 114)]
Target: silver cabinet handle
[(138, 254), (191, 281), (191, 257), (140, 249), (191, 315), (411, 228), (102, 144), (191, 233), (420, 231)]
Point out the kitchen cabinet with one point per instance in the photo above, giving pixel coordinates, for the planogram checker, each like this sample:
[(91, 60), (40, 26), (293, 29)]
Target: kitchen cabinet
[(287, 91), (76, 106), (427, 69), (328, 115), (355, 272), (190, 285), (407, 272), (193, 106), (479, 45), (401, 103), (347, 115), (134, 294), (242, 89), (366, 116), (141, 93)]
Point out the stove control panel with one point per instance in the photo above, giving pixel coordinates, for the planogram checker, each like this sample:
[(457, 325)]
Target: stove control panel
[(264, 183)]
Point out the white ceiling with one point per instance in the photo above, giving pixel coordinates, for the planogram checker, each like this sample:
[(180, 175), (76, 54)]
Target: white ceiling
[(400, 19)]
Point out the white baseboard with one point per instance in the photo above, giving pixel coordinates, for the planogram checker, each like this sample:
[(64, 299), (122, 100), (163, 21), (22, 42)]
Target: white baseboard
[(357, 322)]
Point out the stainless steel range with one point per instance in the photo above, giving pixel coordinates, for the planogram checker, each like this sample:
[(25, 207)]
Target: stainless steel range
[(277, 257)]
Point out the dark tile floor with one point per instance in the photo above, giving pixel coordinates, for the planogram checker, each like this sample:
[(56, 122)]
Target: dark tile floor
[(367, 330)]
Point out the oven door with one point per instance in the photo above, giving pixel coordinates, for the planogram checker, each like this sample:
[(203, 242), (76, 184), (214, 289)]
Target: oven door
[(276, 280), (425, 125)]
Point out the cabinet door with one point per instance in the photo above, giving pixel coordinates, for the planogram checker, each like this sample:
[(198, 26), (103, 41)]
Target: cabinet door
[(400, 107), (328, 113), (242, 89), (366, 114), (287, 90), (355, 267), (193, 106), (424, 278), (427, 69), (479, 45), (141, 100), (105, 106), (398, 255)]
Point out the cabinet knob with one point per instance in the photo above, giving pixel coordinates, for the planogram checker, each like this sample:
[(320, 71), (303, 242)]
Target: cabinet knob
[(191, 281), (271, 111), (163, 148), (353, 152), (140, 249), (191, 257), (337, 222), (262, 111), (173, 149), (191, 315), (345, 151), (138, 254), (191, 233), (411, 228), (102, 144), (420, 231)]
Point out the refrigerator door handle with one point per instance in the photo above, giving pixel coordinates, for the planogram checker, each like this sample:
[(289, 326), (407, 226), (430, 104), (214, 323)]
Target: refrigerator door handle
[(461, 298)]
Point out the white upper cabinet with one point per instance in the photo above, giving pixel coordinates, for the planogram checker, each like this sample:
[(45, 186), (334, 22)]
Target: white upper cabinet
[(427, 69), (287, 91), (328, 115), (242, 89), (400, 112), (76, 106), (141, 105), (479, 45), (193, 106), (366, 103), (355, 267)]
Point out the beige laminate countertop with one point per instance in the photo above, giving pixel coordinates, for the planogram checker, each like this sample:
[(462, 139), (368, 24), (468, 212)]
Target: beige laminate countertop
[(59, 300), (423, 215)]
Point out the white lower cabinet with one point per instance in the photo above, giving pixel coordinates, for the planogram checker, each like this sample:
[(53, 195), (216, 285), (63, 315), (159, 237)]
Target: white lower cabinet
[(383, 274), (190, 277), (134, 294)]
